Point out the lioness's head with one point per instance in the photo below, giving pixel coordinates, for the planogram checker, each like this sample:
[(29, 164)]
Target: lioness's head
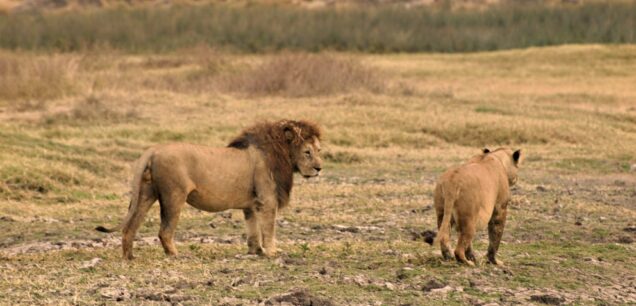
[(510, 161), (304, 139)]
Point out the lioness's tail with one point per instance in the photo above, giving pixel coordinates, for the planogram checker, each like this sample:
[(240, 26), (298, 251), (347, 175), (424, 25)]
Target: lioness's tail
[(140, 168), (450, 197)]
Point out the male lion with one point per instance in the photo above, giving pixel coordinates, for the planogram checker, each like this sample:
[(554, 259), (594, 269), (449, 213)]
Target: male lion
[(472, 196), (253, 173)]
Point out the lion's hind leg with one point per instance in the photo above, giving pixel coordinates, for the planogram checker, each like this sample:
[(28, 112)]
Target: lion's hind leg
[(171, 204), (470, 254), (444, 241), (146, 198), (464, 244)]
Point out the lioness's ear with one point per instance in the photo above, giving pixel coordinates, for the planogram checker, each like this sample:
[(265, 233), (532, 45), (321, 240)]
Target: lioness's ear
[(485, 150), (516, 156)]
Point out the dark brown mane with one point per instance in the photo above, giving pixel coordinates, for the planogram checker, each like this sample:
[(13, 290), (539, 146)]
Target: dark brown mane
[(270, 138)]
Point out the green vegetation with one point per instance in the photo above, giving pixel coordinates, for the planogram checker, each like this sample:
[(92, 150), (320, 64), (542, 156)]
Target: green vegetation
[(378, 29)]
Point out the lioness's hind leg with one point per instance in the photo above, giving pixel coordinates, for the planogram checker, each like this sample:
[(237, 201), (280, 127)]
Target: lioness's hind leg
[(467, 232), (253, 232), (444, 242), (470, 255), (171, 205), (145, 200)]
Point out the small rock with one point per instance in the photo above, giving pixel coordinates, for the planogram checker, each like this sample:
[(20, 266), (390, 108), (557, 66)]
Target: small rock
[(232, 301), (547, 299), (620, 183), (324, 271), (293, 261), (578, 223), (7, 219), (389, 286), (625, 239), (630, 229), (211, 224), (360, 280), (237, 281), (350, 229), (442, 290), (91, 263), (402, 273), (316, 227), (118, 294), (432, 285), (541, 188), (632, 168), (298, 297), (421, 210)]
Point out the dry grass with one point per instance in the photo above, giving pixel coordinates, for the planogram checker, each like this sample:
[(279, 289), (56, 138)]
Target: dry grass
[(92, 110), (348, 235), (304, 74), (28, 78)]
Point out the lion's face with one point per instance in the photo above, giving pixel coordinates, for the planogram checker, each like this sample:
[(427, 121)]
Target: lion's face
[(514, 158), (306, 158)]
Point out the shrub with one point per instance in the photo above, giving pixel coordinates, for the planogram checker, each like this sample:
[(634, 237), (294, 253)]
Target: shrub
[(306, 75)]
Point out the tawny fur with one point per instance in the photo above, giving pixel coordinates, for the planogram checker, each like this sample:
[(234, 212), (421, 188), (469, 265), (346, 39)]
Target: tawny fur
[(253, 173), (474, 196)]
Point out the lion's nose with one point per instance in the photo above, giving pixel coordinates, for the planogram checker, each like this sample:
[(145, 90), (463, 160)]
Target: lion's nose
[(317, 169)]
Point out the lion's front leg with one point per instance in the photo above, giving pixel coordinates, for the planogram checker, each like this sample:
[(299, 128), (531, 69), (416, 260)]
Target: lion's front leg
[(267, 221), (253, 232), (495, 231)]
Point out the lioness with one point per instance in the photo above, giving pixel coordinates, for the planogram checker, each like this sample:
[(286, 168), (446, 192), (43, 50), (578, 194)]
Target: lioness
[(253, 173), (472, 196)]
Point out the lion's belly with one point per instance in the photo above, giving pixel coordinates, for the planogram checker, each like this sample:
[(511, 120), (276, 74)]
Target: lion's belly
[(222, 179), (483, 218), (211, 201)]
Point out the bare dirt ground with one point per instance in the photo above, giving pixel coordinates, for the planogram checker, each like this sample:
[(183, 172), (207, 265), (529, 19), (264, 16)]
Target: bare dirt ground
[(72, 124)]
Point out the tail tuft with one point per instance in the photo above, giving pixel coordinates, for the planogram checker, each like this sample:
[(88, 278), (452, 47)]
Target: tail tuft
[(429, 236), (103, 229)]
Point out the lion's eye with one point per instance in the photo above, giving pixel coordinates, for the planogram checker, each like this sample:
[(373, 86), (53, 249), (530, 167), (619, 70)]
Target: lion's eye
[(307, 153)]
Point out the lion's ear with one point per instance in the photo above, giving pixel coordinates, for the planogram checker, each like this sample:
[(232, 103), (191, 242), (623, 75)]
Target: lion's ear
[(516, 156), (485, 150), (289, 134)]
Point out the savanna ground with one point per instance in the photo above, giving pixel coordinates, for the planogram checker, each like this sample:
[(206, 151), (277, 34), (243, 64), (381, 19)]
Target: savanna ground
[(71, 125)]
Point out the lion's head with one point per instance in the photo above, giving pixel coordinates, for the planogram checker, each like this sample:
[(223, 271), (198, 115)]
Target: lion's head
[(288, 146), (304, 146), (509, 159)]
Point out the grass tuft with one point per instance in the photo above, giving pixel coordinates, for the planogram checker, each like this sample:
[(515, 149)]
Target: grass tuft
[(35, 78), (303, 74), (91, 110)]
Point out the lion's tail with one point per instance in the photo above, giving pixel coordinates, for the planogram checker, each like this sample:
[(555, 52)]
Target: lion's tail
[(140, 168), (450, 197)]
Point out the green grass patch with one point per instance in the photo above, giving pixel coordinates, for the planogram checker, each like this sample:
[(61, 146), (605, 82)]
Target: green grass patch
[(250, 28)]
